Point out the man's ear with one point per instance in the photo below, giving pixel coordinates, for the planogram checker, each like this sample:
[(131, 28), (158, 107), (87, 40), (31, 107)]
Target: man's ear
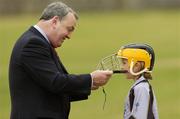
[(55, 19)]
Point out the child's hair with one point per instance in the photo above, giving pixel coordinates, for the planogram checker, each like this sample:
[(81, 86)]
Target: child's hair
[(147, 75)]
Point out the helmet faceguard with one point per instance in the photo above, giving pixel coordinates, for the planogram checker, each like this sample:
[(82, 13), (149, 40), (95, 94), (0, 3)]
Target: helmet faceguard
[(112, 63)]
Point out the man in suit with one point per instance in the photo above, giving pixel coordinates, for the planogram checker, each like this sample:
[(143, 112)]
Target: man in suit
[(40, 86)]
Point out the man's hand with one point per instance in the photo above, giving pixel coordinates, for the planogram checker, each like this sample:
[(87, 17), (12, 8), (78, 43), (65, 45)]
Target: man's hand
[(94, 87), (100, 78)]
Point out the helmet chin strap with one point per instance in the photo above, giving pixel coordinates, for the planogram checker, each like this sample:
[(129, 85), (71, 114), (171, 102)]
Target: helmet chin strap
[(137, 73)]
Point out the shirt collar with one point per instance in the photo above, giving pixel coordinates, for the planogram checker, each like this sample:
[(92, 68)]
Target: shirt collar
[(42, 32), (137, 81)]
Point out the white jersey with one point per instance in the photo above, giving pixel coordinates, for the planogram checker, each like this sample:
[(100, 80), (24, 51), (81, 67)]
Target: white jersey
[(141, 102)]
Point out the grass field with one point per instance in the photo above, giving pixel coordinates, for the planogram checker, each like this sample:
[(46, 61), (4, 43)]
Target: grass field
[(98, 35)]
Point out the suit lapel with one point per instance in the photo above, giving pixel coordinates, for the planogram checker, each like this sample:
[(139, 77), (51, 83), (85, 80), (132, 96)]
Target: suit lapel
[(58, 61)]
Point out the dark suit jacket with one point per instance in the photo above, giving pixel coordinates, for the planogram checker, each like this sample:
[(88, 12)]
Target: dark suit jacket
[(40, 86)]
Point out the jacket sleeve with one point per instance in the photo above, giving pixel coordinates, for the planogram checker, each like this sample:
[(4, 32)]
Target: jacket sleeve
[(39, 65)]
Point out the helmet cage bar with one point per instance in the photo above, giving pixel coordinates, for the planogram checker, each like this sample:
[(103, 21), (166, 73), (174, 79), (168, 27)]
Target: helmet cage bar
[(110, 62)]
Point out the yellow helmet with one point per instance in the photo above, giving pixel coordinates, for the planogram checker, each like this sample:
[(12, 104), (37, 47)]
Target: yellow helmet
[(138, 52)]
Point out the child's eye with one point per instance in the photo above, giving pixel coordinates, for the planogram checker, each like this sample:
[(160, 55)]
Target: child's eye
[(123, 62)]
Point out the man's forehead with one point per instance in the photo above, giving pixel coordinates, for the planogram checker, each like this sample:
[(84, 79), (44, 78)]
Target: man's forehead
[(70, 20), (69, 16)]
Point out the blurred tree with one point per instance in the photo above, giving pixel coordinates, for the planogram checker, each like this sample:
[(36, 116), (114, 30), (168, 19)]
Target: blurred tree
[(21, 6), (32, 6)]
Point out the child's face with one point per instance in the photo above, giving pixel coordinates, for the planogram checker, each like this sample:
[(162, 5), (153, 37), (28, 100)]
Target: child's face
[(136, 68), (125, 66)]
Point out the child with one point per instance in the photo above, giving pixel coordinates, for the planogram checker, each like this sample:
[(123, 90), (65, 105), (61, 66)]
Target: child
[(138, 61)]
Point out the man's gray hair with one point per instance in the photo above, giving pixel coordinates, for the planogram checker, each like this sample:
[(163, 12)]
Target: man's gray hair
[(57, 9)]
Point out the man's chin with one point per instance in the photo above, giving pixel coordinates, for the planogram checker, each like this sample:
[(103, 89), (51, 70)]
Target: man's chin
[(56, 46), (59, 45)]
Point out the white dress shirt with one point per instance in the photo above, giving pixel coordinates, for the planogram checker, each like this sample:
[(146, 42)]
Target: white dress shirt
[(42, 32)]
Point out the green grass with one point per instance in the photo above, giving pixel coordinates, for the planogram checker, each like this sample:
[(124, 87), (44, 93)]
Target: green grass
[(96, 36)]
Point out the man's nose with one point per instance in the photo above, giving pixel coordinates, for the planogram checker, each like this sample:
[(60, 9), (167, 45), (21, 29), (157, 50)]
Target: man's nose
[(68, 36)]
